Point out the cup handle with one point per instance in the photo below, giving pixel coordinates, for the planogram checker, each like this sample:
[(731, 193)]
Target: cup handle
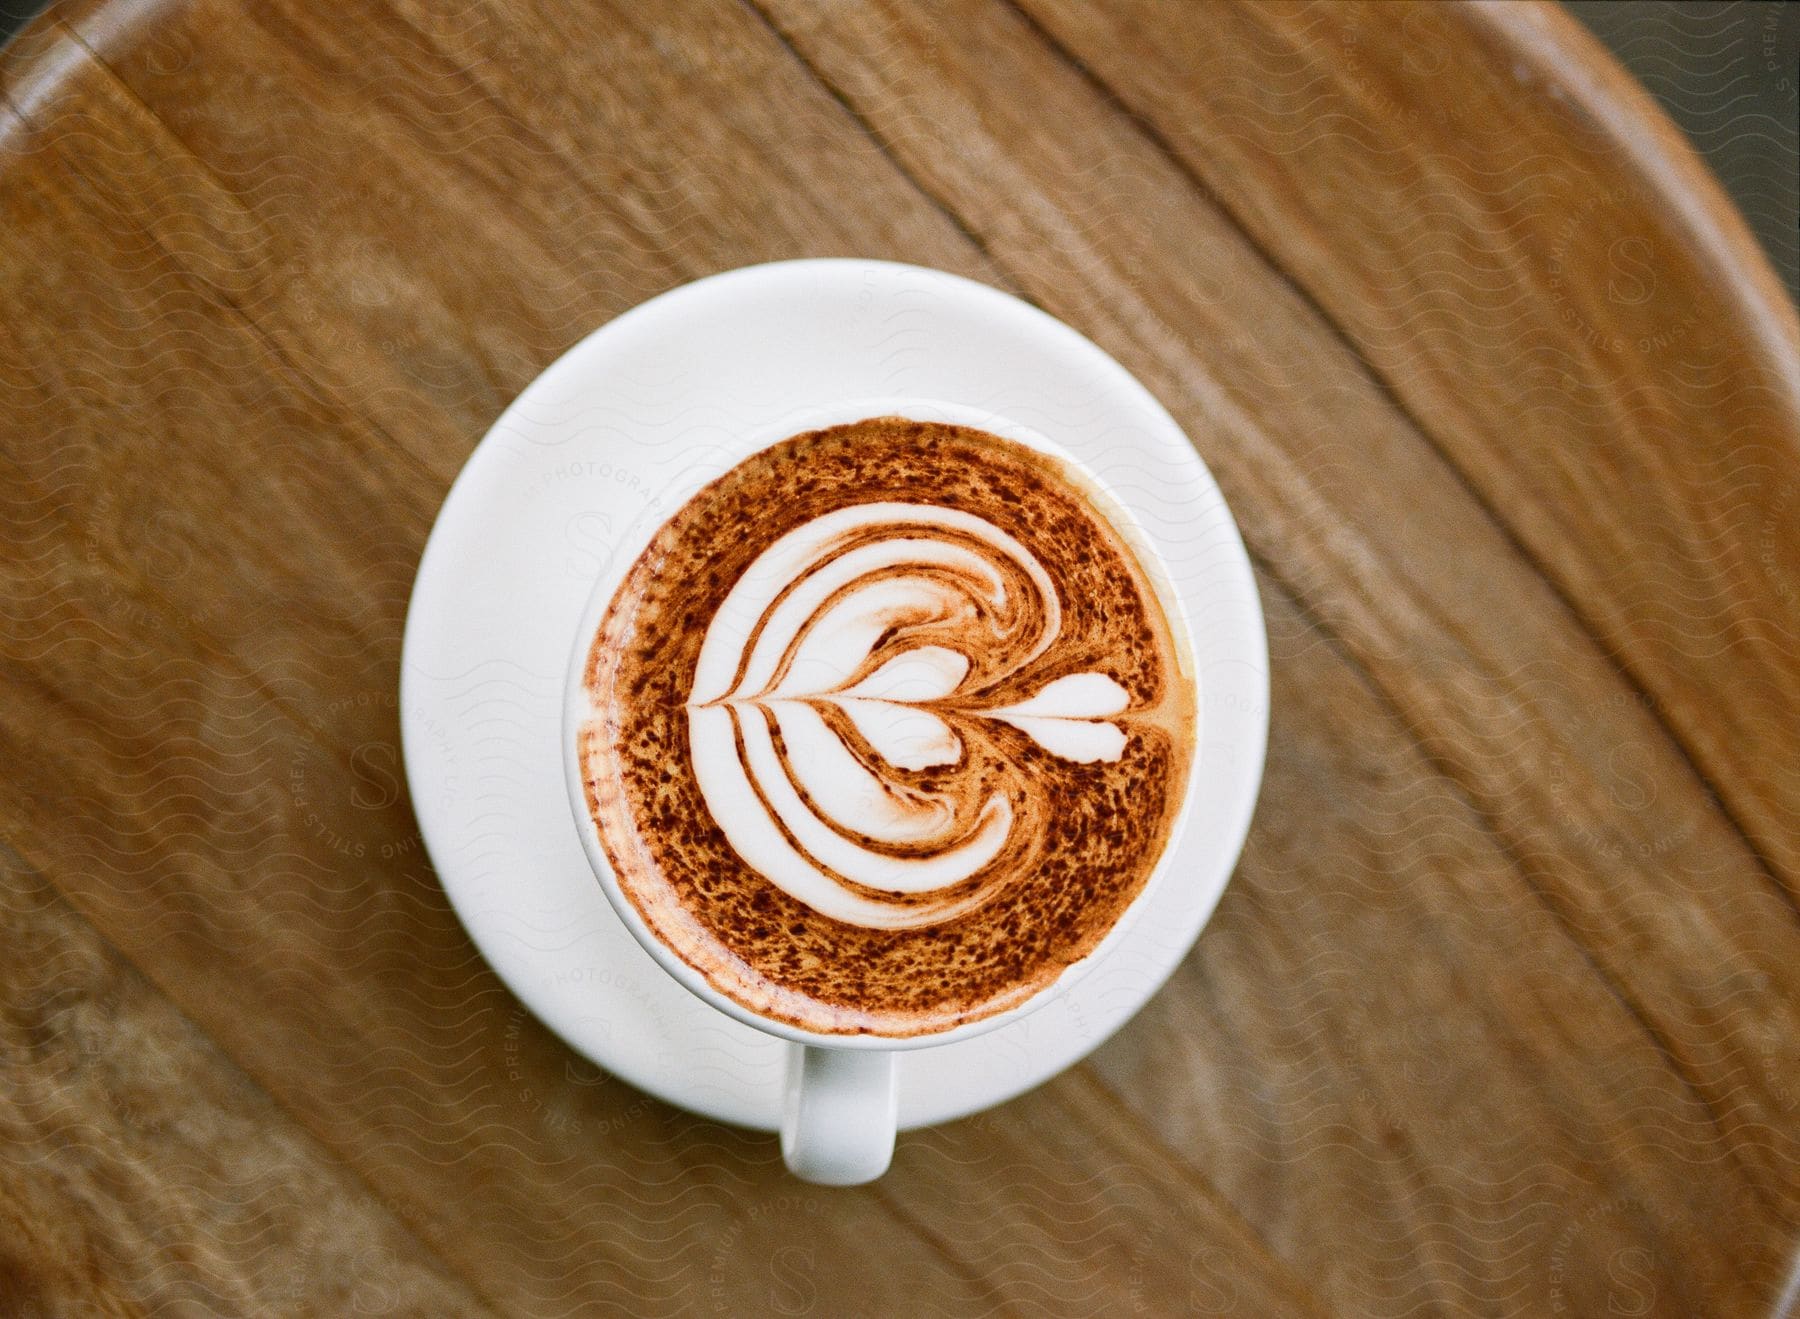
[(837, 1118)]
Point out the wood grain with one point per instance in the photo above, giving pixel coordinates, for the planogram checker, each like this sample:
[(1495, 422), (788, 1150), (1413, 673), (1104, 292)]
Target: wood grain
[(142, 1171), (1502, 1011), (1628, 406)]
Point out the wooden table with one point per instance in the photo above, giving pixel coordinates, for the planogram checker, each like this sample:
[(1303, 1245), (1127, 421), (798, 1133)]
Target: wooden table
[(1501, 1013)]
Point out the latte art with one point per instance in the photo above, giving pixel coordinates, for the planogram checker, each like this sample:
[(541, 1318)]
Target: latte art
[(887, 728), (852, 658)]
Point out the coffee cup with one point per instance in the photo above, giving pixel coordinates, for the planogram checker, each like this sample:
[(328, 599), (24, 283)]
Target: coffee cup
[(839, 1115)]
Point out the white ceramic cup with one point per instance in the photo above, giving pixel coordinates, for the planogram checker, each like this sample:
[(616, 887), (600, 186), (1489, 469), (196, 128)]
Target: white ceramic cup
[(838, 1116)]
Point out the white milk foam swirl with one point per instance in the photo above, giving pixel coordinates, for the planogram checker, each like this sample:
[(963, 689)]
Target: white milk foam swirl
[(786, 645)]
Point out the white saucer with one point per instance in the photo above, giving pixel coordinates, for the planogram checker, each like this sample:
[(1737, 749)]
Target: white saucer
[(531, 523)]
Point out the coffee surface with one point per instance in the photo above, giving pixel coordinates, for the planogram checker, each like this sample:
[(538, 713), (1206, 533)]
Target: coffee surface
[(888, 728)]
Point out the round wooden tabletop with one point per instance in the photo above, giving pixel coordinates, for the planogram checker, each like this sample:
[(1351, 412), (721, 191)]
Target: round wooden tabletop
[(1501, 1013)]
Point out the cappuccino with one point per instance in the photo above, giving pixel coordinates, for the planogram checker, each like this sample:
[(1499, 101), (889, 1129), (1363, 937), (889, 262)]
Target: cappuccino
[(888, 727)]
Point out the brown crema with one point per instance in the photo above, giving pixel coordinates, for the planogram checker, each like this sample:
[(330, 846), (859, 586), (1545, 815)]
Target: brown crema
[(1020, 772)]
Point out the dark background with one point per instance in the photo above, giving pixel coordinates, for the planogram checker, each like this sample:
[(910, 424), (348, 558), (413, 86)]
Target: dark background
[(1726, 73)]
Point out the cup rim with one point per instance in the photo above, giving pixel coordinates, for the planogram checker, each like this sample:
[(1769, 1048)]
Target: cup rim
[(636, 537)]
